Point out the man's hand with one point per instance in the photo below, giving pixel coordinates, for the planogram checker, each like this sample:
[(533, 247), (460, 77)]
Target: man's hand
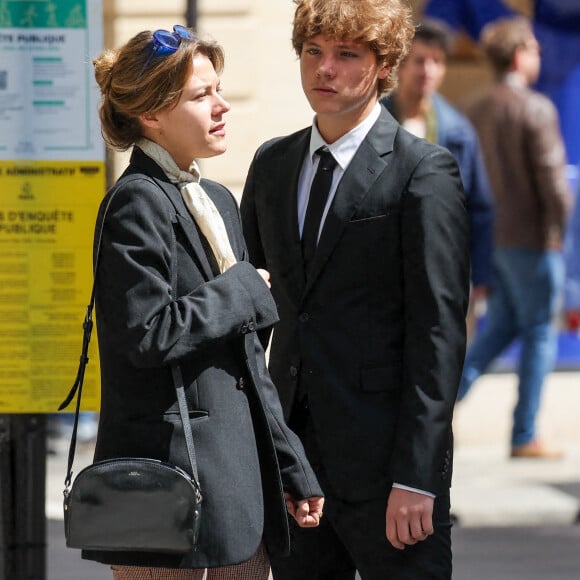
[(307, 512), (409, 517)]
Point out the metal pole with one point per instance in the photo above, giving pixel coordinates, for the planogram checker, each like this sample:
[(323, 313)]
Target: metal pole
[(191, 14), (22, 497), (6, 499)]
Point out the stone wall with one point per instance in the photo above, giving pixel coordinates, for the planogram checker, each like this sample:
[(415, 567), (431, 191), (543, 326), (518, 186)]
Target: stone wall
[(261, 77)]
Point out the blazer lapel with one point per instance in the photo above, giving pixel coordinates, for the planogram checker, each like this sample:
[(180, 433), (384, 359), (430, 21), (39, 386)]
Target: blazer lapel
[(189, 228), (366, 167), (184, 218), (191, 232)]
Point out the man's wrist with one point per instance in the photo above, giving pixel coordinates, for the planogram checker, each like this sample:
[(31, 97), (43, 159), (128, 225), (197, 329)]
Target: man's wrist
[(414, 490)]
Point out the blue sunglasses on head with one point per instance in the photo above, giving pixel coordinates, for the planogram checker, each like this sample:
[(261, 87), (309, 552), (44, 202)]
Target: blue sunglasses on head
[(165, 42)]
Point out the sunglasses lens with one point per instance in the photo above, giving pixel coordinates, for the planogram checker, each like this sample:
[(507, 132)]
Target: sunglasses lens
[(183, 32), (165, 42)]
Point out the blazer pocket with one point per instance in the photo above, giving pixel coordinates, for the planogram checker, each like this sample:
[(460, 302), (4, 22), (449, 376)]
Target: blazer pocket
[(194, 415), (369, 219), (381, 379), (171, 417)]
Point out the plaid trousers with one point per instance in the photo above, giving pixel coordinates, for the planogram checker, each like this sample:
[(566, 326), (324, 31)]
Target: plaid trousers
[(256, 568)]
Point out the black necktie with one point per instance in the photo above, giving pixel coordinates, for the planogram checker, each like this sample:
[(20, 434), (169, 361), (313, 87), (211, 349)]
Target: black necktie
[(316, 202)]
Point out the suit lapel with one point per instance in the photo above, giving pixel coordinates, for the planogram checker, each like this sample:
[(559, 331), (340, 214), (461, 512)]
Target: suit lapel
[(285, 177), (366, 167)]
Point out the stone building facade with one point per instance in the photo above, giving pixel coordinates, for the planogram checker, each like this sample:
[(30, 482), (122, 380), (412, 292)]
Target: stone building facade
[(261, 77)]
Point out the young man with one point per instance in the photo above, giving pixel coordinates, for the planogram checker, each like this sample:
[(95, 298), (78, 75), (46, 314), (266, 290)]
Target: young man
[(372, 296), (524, 154), (420, 109)]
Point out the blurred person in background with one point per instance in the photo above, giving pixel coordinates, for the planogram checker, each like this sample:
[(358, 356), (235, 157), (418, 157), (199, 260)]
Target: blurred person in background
[(525, 159)]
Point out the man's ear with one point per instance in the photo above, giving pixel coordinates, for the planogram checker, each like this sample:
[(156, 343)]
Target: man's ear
[(384, 72), (517, 58)]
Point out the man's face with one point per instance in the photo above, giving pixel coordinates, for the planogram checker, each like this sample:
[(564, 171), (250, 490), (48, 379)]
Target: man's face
[(422, 72), (340, 79)]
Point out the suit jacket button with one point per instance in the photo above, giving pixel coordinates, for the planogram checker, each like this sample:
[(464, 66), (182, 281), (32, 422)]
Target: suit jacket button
[(244, 328), (293, 371), (303, 317), (251, 326)]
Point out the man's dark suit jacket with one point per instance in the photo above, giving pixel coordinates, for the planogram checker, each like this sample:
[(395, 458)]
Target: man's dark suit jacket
[(376, 332), (158, 301)]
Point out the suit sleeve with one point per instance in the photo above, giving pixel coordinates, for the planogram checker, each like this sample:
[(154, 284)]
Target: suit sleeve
[(154, 327), (435, 248), (250, 225), (251, 232)]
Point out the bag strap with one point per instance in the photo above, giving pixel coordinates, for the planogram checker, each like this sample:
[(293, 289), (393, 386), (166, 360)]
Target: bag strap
[(77, 387), (184, 413)]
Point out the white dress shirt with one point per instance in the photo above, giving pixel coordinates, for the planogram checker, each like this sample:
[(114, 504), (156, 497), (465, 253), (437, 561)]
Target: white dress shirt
[(342, 150)]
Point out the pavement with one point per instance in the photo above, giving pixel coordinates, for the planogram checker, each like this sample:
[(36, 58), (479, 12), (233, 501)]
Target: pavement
[(489, 488), (525, 507)]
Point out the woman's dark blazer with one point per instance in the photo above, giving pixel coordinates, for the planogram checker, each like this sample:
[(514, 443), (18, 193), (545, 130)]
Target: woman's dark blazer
[(159, 301)]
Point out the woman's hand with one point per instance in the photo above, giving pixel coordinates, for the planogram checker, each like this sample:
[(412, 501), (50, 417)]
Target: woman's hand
[(307, 512), (265, 275)]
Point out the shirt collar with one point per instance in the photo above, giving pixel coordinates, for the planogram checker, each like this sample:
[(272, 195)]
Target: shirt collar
[(344, 149), (514, 80)]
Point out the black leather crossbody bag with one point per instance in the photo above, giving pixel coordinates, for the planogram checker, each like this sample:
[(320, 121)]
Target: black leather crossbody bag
[(130, 503)]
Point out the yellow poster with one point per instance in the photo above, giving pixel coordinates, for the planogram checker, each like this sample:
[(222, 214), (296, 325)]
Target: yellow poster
[(47, 218), (52, 178)]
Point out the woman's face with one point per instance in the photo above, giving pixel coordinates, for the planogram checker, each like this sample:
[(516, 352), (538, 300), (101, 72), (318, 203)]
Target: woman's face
[(194, 128)]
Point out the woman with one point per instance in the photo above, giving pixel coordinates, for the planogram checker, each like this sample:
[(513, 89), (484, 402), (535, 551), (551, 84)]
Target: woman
[(173, 286)]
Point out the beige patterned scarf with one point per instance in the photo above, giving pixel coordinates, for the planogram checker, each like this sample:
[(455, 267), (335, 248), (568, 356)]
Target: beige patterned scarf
[(198, 203)]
